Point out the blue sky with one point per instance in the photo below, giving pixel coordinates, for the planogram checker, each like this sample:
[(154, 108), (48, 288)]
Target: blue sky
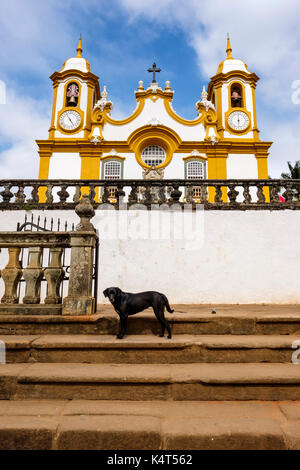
[(121, 39)]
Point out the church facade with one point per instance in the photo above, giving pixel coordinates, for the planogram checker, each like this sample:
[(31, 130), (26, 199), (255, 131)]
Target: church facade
[(85, 142)]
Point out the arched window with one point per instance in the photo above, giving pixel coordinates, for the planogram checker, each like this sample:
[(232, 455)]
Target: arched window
[(72, 95), (196, 170), (236, 95), (153, 155), (112, 170)]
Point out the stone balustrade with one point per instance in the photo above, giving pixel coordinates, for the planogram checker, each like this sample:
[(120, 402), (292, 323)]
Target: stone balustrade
[(82, 242), (213, 194)]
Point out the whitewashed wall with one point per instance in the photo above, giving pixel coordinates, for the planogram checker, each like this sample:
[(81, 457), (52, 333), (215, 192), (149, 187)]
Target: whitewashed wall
[(230, 257)]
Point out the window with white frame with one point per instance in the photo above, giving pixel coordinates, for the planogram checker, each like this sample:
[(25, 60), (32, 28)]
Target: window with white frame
[(153, 155), (194, 170), (112, 170)]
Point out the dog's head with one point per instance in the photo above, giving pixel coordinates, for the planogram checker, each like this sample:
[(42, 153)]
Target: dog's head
[(113, 293)]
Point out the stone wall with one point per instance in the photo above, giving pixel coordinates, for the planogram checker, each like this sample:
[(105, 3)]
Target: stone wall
[(210, 257)]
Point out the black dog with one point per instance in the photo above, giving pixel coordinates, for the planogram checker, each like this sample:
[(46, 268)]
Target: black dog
[(126, 304)]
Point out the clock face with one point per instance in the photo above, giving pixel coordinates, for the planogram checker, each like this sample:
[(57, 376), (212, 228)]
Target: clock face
[(70, 120), (238, 120)]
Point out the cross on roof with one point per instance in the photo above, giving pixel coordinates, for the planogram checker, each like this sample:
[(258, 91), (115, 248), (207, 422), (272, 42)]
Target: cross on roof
[(154, 70)]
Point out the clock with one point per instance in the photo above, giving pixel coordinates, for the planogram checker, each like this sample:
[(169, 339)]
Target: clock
[(238, 120), (70, 120)]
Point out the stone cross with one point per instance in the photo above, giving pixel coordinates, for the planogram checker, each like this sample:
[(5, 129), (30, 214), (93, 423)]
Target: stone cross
[(154, 70)]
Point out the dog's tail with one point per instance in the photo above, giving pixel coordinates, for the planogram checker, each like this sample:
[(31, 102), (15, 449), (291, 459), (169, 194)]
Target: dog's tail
[(167, 303)]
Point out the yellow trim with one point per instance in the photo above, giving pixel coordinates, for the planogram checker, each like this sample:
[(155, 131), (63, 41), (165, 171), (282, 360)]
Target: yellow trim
[(54, 104), (160, 135), (195, 157), (90, 170), (177, 118), (71, 131), (88, 125), (79, 48), (255, 129), (135, 114), (43, 175), (229, 86), (217, 169), (65, 93), (112, 156), (262, 172)]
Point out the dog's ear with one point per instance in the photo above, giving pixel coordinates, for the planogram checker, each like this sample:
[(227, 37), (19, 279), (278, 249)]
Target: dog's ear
[(105, 293), (118, 292)]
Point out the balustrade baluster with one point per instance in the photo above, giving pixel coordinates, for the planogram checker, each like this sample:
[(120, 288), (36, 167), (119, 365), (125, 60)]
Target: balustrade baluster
[(49, 196), (6, 193), (246, 194), (54, 275), (77, 194), (288, 194), (20, 196), (260, 195), (232, 194), (218, 195), (133, 196), (11, 276), (63, 193), (33, 275)]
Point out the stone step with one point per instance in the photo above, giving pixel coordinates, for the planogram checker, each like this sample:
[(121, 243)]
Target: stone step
[(187, 319), (124, 425), (147, 349), (178, 382)]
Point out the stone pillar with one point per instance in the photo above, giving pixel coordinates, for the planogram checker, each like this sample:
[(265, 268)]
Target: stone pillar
[(11, 276), (33, 276), (54, 274), (80, 300)]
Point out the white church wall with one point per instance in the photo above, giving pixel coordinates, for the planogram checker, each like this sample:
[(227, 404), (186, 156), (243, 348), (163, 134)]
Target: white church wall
[(65, 166), (153, 110), (230, 257), (242, 166)]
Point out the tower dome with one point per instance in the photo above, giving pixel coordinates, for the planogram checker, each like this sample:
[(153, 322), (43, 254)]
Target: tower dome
[(230, 64), (78, 62)]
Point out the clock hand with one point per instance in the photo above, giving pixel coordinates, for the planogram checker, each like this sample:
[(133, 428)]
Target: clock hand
[(70, 119)]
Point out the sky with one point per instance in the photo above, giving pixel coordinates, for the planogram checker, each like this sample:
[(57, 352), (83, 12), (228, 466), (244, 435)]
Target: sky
[(122, 38)]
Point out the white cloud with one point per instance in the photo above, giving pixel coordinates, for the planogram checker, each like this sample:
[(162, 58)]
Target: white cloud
[(265, 35), (22, 120)]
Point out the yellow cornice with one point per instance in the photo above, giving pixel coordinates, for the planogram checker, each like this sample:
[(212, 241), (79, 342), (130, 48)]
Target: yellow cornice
[(149, 93), (220, 78), (183, 121), (194, 157), (47, 147), (112, 157), (86, 76)]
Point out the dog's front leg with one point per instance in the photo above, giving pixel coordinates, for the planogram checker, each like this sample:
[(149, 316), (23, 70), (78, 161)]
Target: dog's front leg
[(123, 325)]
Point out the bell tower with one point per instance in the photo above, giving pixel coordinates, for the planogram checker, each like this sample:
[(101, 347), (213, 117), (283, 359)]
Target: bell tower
[(232, 90), (75, 91)]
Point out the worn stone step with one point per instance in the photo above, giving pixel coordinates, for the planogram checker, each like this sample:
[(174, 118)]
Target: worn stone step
[(147, 349), (198, 381), (123, 425), (187, 319)]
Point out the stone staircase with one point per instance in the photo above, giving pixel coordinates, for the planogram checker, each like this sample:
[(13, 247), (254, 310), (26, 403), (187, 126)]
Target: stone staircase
[(224, 381)]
